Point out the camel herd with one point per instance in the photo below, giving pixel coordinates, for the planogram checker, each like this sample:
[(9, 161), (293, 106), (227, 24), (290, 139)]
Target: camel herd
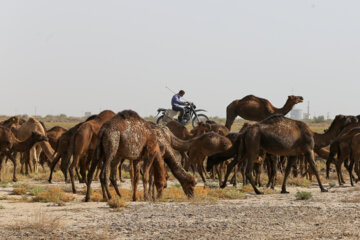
[(100, 145)]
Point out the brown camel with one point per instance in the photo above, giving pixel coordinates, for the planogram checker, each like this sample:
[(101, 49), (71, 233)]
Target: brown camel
[(25, 130), (276, 135), (53, 134), (209, 126), (10, 145), (63, 150), (200, 147), (128, 136), (253, 108), (84, 143)]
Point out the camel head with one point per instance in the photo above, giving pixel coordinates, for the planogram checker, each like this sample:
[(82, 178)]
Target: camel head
[(339, 122), (188, 187), (295, 99), (200, 129), (39, 137)]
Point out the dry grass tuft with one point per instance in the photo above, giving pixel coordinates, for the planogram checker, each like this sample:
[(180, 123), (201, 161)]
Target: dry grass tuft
[(53, 194), (40, 222), (117, 203), (19, 191)]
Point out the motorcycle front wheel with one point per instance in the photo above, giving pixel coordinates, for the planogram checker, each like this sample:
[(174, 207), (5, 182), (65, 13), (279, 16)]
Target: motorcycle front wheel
[(199, 118), (160, 120)]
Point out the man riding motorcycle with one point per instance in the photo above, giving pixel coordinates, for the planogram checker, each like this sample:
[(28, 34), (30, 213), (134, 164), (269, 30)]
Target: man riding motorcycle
[(178, 105)]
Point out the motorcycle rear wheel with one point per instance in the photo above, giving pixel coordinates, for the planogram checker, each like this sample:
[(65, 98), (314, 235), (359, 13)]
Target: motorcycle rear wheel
[(200, 118)]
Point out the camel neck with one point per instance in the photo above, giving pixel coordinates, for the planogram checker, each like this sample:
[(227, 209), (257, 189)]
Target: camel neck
[(322, 140), (285, 109), (24, 145)]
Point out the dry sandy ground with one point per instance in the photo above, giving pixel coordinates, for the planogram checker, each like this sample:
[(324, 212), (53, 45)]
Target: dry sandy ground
[(333, 215)]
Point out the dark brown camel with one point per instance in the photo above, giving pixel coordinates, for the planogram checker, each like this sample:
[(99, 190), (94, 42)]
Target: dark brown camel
[(128, 136), (334, 146), (276, 135), (84, 143), (10, 145), (62, 150), (342, 147), (253, 108)]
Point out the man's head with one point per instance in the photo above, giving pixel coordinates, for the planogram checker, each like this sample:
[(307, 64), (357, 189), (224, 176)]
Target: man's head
[(181, 93)]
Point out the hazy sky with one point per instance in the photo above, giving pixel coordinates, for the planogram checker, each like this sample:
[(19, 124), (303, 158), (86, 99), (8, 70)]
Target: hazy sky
[(80, 55)]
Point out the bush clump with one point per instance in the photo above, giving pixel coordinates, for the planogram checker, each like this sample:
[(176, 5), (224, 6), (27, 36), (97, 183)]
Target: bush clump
[(53, 194), (303, 195)]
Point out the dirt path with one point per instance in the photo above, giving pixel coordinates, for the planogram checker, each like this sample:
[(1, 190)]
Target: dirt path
[(333, 215)]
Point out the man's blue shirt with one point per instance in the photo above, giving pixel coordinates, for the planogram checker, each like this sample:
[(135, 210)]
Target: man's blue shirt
[(176, 101)]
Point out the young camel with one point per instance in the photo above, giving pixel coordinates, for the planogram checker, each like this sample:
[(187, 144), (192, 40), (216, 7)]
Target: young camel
[(253, 108), (25, 130), (128, 136), (63, 150), (276, 135), (53, 134), (13, 145), (83, 144)]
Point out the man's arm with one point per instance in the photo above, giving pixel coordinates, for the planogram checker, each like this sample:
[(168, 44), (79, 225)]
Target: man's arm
[(178, 101)]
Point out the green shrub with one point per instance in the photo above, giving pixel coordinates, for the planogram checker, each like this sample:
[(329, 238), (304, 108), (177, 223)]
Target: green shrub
[(303, 195)]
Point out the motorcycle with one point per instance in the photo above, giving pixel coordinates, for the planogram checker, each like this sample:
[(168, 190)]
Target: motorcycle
[(190, 114)]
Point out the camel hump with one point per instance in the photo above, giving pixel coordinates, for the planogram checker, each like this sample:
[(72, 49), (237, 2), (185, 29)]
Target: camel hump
[(32, 120), (129, 114), (274, 118)]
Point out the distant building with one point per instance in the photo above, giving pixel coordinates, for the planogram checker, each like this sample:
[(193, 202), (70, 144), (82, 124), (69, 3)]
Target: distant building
[(296, 114), (87, 114)]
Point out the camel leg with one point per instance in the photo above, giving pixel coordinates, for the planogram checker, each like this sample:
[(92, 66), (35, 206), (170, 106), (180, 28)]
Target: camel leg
[(249, 169), (113, 170), (233, 180), (14, 163), (273, 172), (72, 167), (2, 157), (290, 162), (159, 173), (90, 175), (83, 167), (146, 172), (52, 167), (120, 167), (135, 179), (230, 167), (310, 159), (350, 169)]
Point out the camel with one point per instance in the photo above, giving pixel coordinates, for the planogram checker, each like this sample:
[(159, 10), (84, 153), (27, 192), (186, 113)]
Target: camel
[(343, 148), (253, 108), (83, 144), (127, 135), (13, 145), (209, 126), (168, 143), (25, 130), (63, 150), (276, 135), (334, 146), (53, 134)]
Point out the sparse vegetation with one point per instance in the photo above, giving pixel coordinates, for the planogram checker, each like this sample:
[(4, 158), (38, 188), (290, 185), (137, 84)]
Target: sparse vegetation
[(303, 195), (2, 207), (117, 203), (53, 194), (19, 191)]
